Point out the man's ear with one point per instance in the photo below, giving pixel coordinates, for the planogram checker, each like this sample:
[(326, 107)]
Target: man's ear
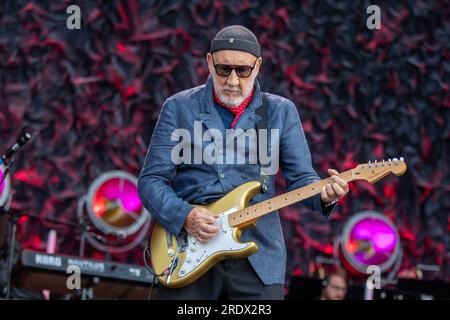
[(209, 62), (259, 63)]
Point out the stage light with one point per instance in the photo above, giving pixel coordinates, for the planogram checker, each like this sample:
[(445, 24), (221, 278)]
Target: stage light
[(369, 238), (5, 187), (115, 209)]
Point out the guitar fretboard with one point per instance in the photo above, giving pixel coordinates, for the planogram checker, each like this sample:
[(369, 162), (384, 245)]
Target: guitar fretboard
[(242, 217)]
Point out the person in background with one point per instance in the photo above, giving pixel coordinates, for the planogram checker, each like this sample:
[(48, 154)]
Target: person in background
[(335, 286)]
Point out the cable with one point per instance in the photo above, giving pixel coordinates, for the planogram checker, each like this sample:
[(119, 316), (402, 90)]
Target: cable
[(147, 253), (149, 297)]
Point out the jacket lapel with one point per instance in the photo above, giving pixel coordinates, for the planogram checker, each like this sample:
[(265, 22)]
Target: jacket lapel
[(209, 116)]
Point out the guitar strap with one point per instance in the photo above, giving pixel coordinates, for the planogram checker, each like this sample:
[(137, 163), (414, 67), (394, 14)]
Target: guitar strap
[(262, 124)]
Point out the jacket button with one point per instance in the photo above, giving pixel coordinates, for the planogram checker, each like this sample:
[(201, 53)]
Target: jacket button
[(200, 189), (221, 175)]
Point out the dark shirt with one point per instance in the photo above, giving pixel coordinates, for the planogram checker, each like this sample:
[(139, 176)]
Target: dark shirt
[(226, 115)]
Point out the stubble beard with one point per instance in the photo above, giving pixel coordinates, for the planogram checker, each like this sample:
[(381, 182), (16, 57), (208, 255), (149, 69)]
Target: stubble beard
[(233, 101)]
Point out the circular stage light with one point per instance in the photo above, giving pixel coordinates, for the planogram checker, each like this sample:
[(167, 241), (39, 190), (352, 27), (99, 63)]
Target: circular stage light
[(116, 211), (369, 238), (5, 187), (113, 204)]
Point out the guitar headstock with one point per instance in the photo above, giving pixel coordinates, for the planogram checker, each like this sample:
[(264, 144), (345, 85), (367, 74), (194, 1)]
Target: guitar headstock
[(374, 171)]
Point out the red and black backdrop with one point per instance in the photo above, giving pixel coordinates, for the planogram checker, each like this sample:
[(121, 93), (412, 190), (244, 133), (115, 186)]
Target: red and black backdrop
[(91, 98)]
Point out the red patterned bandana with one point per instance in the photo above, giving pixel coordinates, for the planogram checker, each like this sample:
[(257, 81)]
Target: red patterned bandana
[(237, 111)]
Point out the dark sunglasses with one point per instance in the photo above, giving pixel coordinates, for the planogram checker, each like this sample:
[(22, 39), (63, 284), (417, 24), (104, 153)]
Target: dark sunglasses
[(224, 70)]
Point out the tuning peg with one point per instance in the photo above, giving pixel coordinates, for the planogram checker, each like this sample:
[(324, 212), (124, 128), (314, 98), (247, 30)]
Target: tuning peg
[(383, 163), (401, 159), (376, 164), (370, 164)]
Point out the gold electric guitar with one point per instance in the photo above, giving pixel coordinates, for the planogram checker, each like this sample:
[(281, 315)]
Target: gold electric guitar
[(179, 261)]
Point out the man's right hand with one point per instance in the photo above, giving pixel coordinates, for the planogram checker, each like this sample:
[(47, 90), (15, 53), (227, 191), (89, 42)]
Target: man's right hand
[(200, 224)]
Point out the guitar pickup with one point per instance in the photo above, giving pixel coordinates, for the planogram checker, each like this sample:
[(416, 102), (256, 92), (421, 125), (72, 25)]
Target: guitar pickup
[(223, 223), (224, 216)]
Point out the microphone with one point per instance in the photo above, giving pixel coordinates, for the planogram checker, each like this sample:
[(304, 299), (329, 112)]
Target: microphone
[(19, 143)]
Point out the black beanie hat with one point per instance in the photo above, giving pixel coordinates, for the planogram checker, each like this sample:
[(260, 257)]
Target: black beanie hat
[(236, 38)]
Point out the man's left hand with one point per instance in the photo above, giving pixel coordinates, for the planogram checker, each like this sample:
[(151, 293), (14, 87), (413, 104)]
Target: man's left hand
[(334, 190)]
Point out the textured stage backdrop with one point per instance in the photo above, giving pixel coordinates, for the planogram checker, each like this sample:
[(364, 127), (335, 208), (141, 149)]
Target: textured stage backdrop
[(92, 96)]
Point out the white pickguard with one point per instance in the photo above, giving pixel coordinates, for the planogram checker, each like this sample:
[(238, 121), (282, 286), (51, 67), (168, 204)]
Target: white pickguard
[(197, 252)]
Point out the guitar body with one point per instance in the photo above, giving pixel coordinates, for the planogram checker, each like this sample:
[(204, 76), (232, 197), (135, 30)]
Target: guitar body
[(184, 259)]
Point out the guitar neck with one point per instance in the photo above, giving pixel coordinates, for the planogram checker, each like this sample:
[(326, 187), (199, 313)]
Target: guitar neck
[(249, 214)]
